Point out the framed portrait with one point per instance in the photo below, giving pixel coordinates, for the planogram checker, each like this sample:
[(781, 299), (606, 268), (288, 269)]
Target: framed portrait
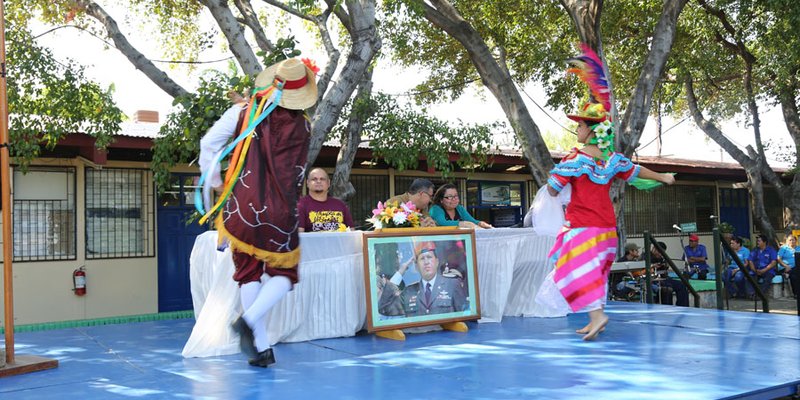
[(416, 277)]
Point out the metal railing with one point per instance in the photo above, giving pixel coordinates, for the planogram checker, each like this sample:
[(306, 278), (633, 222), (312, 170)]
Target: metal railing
[(648, 241), (726, 247)]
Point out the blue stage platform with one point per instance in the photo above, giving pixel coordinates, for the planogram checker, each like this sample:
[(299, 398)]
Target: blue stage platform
[(657, 352)]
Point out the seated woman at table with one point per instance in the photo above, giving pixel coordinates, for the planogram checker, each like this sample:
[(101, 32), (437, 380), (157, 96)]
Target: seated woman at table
[(447, 211)]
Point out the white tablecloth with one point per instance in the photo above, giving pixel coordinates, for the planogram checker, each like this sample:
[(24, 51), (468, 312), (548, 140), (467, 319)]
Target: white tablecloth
[(512, 263), (329, 301)]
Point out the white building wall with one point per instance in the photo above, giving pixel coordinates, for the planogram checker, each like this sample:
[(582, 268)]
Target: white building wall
[(115, 287)]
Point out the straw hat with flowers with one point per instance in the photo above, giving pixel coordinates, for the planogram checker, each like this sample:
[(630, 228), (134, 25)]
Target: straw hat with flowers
[(299, 82)]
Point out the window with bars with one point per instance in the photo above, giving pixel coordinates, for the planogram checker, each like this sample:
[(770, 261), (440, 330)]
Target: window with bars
[(656, 211), (119, 213), (44, 214), (370, 189)]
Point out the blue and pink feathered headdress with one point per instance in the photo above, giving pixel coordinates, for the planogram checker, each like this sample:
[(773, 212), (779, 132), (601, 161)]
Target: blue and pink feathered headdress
[(589, 68)]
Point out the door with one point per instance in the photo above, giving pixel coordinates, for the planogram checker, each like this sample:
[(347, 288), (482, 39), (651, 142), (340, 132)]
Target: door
[(734, 208), (176, 235)]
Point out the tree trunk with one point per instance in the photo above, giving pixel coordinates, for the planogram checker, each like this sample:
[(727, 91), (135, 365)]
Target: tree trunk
[(366, 43), (638, 108), (585, 15), (791, 197), (760, 217), (340, 185), (752, 164), (498, 80)]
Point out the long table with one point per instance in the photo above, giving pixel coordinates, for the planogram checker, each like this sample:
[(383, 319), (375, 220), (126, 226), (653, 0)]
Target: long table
[(329, 301)]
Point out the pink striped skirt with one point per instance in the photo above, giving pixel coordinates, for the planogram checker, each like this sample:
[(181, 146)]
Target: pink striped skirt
[(583, 258)]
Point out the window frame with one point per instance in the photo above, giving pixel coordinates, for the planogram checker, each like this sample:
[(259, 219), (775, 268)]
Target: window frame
[(15, 233), (148, 217)]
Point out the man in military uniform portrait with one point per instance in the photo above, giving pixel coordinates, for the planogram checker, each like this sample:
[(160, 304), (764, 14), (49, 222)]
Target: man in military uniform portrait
[(435, 293)]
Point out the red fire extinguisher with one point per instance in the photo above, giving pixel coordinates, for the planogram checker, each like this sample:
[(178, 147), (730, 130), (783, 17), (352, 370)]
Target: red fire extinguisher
[(79, 281)]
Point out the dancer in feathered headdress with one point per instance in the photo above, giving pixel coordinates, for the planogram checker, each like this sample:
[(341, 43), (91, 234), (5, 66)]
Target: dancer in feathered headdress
[(586, 246)]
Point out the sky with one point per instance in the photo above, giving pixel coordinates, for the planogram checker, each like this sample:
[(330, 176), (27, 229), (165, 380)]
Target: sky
[(134, 91)]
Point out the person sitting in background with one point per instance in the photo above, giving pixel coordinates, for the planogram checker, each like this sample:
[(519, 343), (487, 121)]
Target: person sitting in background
[(319, 212), (786, 261), (695, 254), (665, 284), (733, 277), (420, 193), (618, 280), (762, 265), (446, 210)]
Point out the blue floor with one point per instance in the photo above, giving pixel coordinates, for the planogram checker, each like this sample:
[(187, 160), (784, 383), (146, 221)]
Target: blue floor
[(646, 352)]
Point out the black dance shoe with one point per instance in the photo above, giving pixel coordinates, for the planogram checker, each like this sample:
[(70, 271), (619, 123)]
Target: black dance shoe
[(245, 337), (263, 359)]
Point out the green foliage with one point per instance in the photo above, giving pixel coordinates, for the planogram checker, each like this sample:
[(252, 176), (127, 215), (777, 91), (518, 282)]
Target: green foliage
[(284, 49), (178, 23), (49, 99), (533, 38), (783, 152), (725, 227), (173, 25), (400, 134), (179, 140)]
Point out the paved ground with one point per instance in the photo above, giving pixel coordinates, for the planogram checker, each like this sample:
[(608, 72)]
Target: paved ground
[(782, 305)]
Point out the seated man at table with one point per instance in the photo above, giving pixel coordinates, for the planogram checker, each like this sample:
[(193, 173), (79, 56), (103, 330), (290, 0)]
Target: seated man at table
[(435, 293), (421, 194), (695, 254), (317, 211)]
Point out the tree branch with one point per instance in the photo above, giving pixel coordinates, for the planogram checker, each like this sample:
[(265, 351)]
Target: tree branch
[(234, 34), (365, 44), (142, 63), (251, 20), (711, 130), (638, 108), (289, 9), (333, 53), (351, 137), (443, 15)]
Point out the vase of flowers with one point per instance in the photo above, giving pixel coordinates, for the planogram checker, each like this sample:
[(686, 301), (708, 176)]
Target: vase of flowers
[(394, 215)]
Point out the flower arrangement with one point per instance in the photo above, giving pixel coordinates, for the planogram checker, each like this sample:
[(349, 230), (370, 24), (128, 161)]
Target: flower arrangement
[(394, 215)]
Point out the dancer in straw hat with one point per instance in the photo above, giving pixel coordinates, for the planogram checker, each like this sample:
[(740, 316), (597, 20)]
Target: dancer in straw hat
[(586, 246), (256, 213)]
